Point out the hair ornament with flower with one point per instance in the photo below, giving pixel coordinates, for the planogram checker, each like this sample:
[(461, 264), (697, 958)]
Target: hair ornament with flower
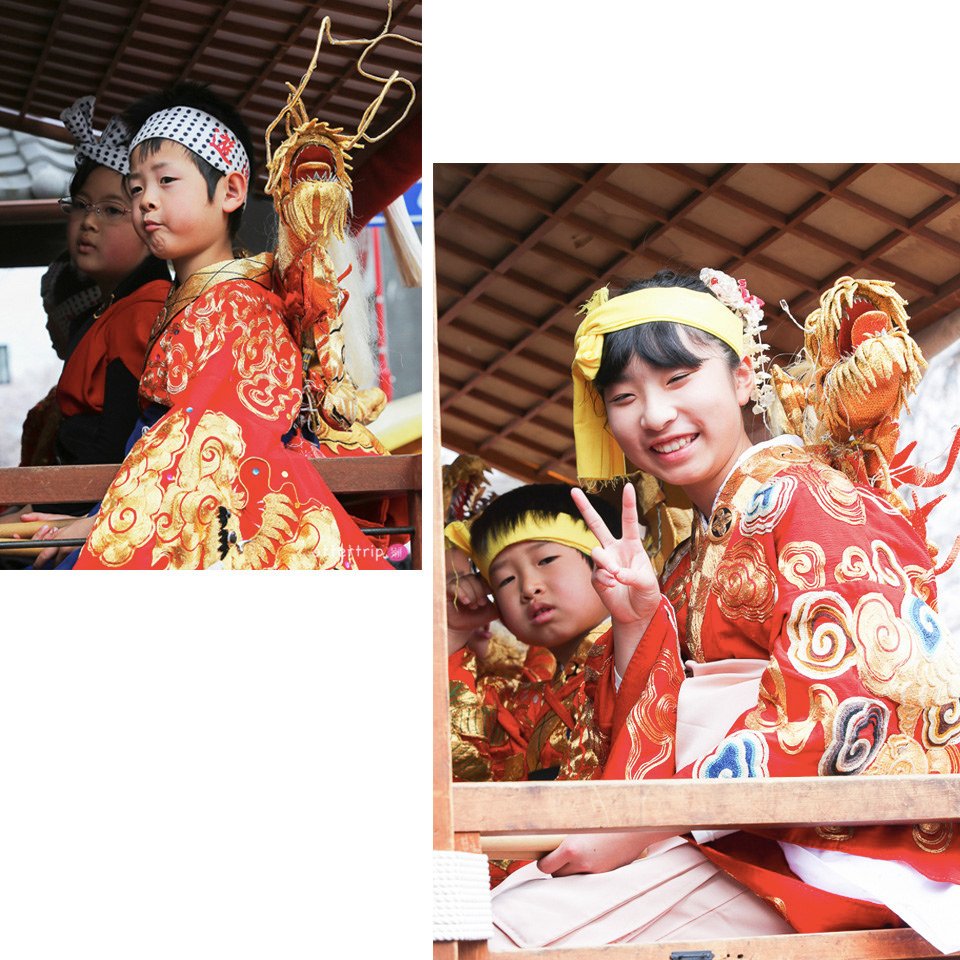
[(735, 295)]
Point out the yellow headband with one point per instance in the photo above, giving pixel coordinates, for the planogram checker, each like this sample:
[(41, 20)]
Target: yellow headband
[(562, 528), (599, 456)]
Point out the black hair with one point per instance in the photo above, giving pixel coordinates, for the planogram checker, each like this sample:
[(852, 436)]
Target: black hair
[(199, 97), (87, 166), (658, 343), (543, 501)]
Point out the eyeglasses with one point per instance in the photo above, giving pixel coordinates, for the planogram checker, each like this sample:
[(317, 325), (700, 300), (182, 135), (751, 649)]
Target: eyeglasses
[(109, 212)]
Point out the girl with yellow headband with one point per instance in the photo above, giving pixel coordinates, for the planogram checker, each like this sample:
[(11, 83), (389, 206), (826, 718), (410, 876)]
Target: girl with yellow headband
[(805, 612)]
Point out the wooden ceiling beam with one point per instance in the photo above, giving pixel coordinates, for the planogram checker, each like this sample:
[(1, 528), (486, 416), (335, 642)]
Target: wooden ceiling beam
[(398, 16), (504, 376), (490, 429), (930, 177), (560, 393), (542, 423), (878, 212), (500, 343), (42, 60), (473, 180), (502, 309), (532, 238), (522, 470), (515, 237), (486, 267), (280, 51), (927, 304), (121, 48), (200, 48)]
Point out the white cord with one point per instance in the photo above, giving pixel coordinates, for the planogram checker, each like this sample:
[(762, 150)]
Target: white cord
[(461, 896)]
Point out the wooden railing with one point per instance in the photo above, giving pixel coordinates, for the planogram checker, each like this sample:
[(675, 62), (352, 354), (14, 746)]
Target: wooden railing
[(504, 810), (352, 479)]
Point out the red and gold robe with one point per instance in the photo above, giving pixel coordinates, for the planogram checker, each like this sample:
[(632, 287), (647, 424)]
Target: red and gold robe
[(513, 720), (211, 483), (832, 586)]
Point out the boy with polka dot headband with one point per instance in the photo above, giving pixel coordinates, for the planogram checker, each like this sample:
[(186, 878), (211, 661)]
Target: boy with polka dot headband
[(209, 481)]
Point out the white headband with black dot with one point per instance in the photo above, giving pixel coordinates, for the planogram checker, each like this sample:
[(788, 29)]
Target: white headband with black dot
[(110, 149), (206, 136)]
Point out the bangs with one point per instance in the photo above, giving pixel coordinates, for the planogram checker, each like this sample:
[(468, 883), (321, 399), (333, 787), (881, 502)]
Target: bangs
[(659, 344)]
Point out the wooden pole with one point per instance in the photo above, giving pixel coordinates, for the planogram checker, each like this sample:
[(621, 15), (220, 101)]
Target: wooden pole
[(442, 767)]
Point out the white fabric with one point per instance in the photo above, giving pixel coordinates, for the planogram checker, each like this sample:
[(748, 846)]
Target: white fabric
[(674, 892), (204, 135), (461, 896), (930, 907), (711, 698)]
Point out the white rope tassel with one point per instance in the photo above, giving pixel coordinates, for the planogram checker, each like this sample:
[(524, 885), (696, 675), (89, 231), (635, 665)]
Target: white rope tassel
[(407, 249), (461, 896)]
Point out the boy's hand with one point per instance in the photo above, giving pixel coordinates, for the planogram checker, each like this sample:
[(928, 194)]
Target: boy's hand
[(75, 529), (469, 609), (622, 573)]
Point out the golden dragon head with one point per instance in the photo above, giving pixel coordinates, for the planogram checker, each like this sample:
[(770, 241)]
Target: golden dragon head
[(465, 487), (865, 363), (310, 183), (309, 176)]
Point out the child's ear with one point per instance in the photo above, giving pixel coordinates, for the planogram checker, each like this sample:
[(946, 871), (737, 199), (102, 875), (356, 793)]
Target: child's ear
[(235, 191), (743, 380)]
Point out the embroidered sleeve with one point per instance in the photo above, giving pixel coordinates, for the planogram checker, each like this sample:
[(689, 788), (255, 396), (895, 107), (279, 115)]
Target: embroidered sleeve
[(862, 675), (637, 722)]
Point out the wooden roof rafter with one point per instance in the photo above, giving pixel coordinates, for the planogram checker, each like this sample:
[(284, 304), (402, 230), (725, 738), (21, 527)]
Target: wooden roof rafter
[(48, 44), (245, 51), (372, 60), (121, 49)]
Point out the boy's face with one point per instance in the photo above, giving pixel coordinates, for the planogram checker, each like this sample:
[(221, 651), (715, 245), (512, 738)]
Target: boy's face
[(544, 593), (172, 212)]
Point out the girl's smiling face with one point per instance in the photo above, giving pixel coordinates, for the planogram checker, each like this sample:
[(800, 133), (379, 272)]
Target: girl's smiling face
[(682, 424)]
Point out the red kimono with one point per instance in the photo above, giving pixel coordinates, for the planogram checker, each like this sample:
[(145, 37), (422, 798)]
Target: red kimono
[(211, 483), (831, 585)]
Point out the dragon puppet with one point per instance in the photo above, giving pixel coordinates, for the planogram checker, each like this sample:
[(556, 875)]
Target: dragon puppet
[(310, 184), (844, 396)]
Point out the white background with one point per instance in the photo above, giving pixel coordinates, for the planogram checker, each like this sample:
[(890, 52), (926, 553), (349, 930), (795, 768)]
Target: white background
[(209, 765)]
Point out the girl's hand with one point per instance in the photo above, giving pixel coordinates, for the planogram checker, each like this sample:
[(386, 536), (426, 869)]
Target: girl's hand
[(597, 852), (622, 573)]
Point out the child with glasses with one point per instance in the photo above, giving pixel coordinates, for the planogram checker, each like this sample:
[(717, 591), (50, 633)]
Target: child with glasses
[(96, 396)]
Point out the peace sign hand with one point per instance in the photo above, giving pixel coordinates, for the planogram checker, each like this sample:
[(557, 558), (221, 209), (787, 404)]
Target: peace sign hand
[(623, 576)]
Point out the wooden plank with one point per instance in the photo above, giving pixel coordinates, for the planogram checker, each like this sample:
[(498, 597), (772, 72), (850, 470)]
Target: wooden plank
[(505, 808), (89, 482), (853, 945), (471, 949), (415, 507), (442, 766)]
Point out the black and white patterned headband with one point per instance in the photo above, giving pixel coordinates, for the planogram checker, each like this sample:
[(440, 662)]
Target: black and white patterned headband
[(110, 150), (200, 133)]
